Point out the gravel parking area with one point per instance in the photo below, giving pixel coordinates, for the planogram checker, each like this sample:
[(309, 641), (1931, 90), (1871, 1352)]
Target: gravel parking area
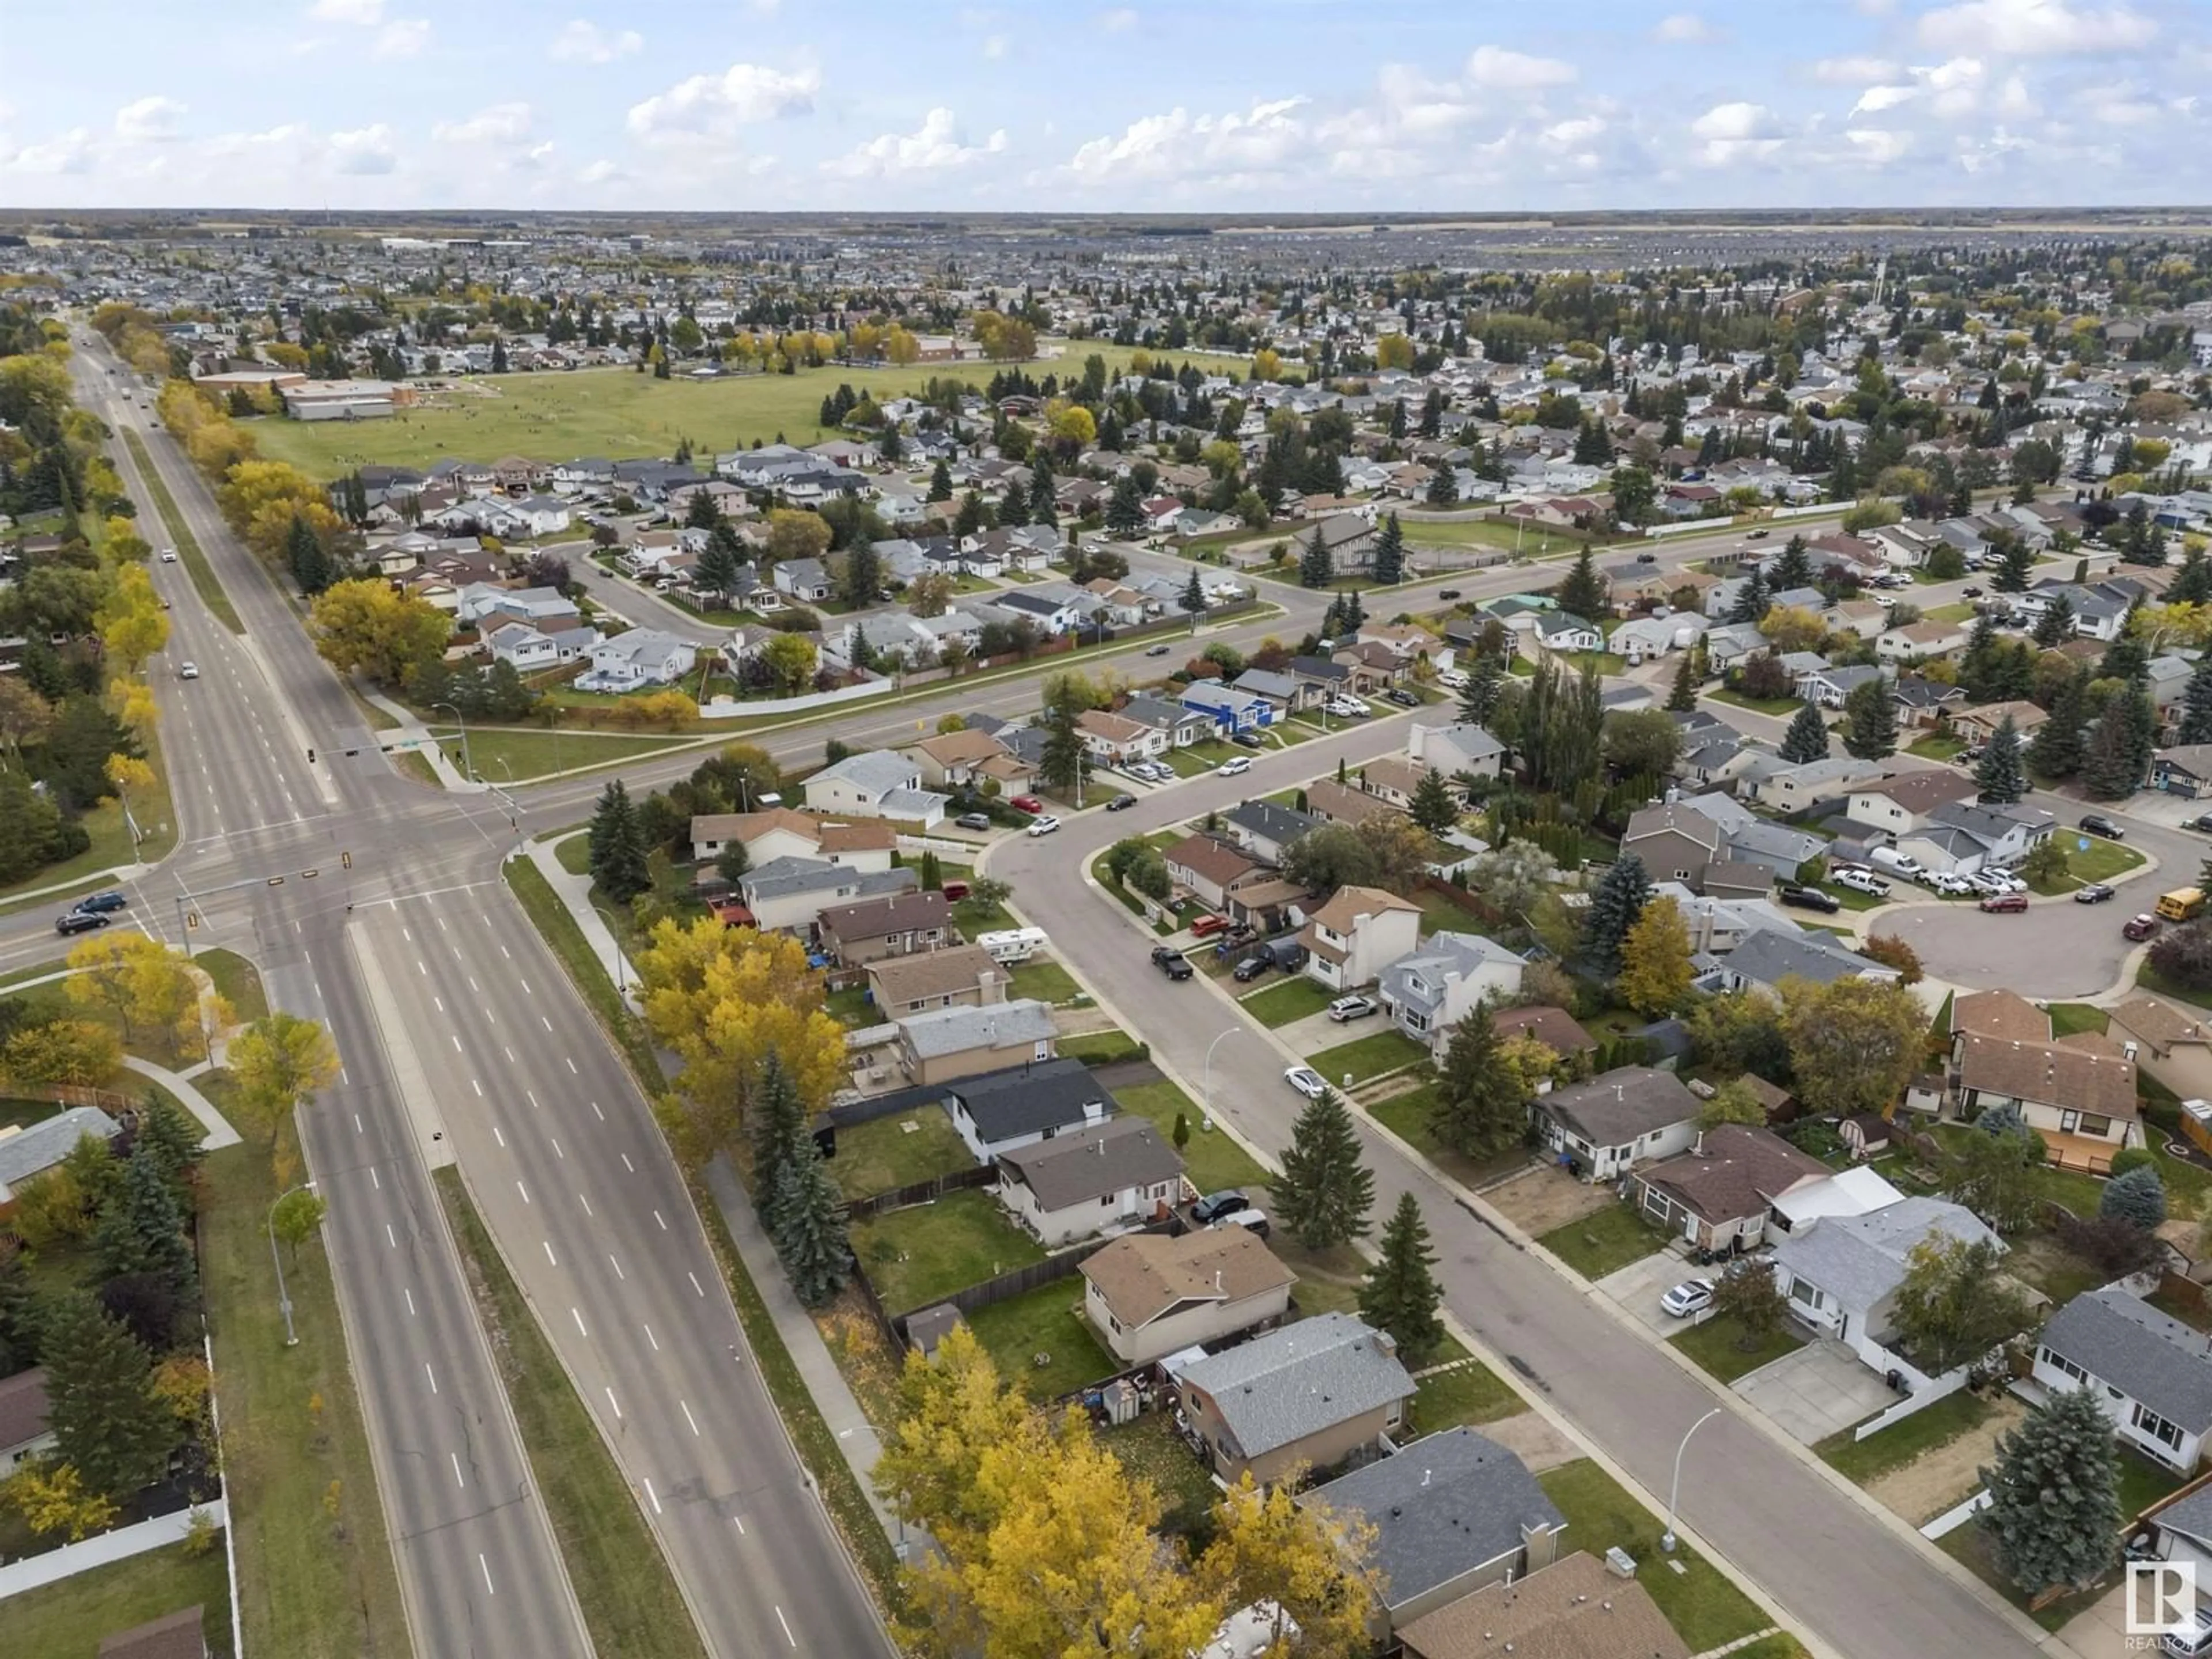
[(1548, 1197)]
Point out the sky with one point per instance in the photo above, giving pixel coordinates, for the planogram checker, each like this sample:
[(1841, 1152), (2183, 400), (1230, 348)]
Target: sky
[(1243, 106)]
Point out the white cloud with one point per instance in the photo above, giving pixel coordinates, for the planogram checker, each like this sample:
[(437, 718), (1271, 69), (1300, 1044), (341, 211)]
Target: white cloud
[(1260, 140), (363, 13), (1496, 68), (1875, 100), (2025, 28), (1878, 147), (537, 154), (501, 124), (1736, 132), (600, 172), (149, 120), (1856, 71), (403, 37), (364, 150), (1119, 21), (67, 152), (936, 146), (1951, 89), (1685, 29), (996, 46), (584, 42), (716, 105)]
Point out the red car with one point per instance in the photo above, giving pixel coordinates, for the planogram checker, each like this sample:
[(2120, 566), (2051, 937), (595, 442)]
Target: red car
[(1208, 923), (2005, 904), (1027, 804), (2140, 927)]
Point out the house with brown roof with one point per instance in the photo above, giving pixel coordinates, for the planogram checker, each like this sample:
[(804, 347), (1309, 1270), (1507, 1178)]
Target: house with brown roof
[(24, 1432), (1120, 1173), (1555, 1027), (2170, 1043), (1573, 1609), (896, 926), (1631, 1114), (1980, 724), (1148, 1294), (1304, 1396), (1901, 805), (1361, 931), (2078, 1092), (1374, 666), (1209, 868), (953, 976), (1115, 739), (1340, 803), (781, 832), (1391, 778), (951, 759), (1717, 1194)]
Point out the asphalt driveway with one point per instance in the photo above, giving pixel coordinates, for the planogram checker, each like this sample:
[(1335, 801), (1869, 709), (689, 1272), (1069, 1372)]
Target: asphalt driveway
[(1815, 1392)]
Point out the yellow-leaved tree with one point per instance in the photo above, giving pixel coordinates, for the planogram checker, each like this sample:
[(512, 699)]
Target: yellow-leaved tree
[(1654, 960), (278, 1062), (52, 1498), (146, 985), (1303, 1560), (131, 622), (79, 1051), (365, 627)]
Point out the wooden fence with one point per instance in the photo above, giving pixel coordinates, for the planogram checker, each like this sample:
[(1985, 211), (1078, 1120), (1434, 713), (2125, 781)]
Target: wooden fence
[(920, 1192)]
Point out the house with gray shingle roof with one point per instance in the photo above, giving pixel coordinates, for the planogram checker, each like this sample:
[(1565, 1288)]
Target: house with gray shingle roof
[(33, 1151), (1433, 987), (1306, 1396), (1116, 1174), (1841, 1274), (2151, 1373)]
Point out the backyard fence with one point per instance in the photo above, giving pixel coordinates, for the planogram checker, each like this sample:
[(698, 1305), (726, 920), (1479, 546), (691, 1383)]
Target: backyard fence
[(1064, 1264), (920, 1192), (1922, 1397), (1473, 903)]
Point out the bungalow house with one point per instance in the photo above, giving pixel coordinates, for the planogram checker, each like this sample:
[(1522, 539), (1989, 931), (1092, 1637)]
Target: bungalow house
[(896, 925), (1921, 642), (1209, 869), (1716, 1194), (779, 832), (1116, 739), (1148, 1294), (1575, 1609), (1329, 680), (1561, 631), (2184, 770), (1392, 778), (1266, 829), (527, 646), (1555, 1027), (25, 1432), (1373, 668), (1270, 907), (1004, 1109), (1825, 686), (1923, 702), (1841, 1274), (643, 657), (1460, 749), (1629, 1116), (1899, 806), (1052, 613), (2169, 1043), (2151, 1374), (1120, 1173), (792, 893), (806, 581), (1450, 1514), (33, 1151), (1340, 803), (1179, 725), (1304, 1396), (877, 783), (1350, 539), (1979, 725), (1966, 835), (951, 976), (1230, 710), (1675, 841), (947, 1044), (1359, 932), (1766, 956), (1445, 978), (2078, 1092), (1286, 691), (2184, 1529), (950, 760)]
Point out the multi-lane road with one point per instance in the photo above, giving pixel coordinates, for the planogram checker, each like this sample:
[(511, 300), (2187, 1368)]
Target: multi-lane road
[(462, 1040)]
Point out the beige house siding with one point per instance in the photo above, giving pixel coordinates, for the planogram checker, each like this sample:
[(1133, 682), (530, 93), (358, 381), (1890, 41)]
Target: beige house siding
[(1316, 1451), (1201, 1322)]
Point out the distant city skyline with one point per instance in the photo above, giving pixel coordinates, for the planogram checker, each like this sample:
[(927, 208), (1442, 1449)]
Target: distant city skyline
[(1236, 106)]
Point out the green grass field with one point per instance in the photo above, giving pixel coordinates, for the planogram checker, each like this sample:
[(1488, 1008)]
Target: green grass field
[(1045, 1322), (1717, 1344), (886, 1155), (506, 754), (914, 1257), (1601, 1243), (68, 1619), (1211, 1159), (618, 413), (1367, 1057)]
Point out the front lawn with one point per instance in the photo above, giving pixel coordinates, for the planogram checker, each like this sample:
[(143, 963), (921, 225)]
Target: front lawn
[(1605, 1242), (1292, 999), (1105, 1047), (1367, 1057), (914, 1257), (2102, 860), (1408, 1115), (1865, 1462), (1763, 705), (1048, 981), (1705, 1608), (1717, 1346), (1212, 1159), (1471, 1395), (898, 1151), (68, 1619), (1045, 1323), (1938, 749), (507, 754)]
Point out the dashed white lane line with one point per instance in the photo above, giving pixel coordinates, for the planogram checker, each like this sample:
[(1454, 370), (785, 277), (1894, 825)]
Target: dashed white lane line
[(557, 1152), (457, 1040), (695, 1284), (372, 1179), (573, 1072), (458, 1479), (524, 1190), (597, 1113), (619, 1273), (546, 1022), (657, 1217), (477, 1086), (524, 983), (616, 1403), (508, 1052), (486, 1565), (585, 1202), (500, 1137), (550, 1256), (357, 1129), (578, 1318), (410, 1295), (627, 1164), (441, 1001), (786, 1623), (688, 1418), (651, 1338), (649, 1492), (391, 1238), (531, 1096), (432, 1374), (741, 1520)]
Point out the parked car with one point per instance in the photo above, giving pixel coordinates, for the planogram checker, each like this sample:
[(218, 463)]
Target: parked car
[(1208, 924), (1252, 1220), (1042, 826), (1996, 883), (2095, 893), (1403, 699), (955, 889), (1943, 882), (1346, 709), (2005, 904), (2096, 824), (169, 555), (1176, 965), (1306, 1080), (973, 821), (1248, 969), (2139, 927), (1026, 804), (1121, 803), (1691, 1296), (2202, 822), (79, 922), (1971, 592), (1861, 881), (1811, 898), (1647, 556), (1216, 1206), (101, 904), (1353, 1007), (1246, 739), (1235, 766), (1448, 592), (1452, 680), (1758, 535)]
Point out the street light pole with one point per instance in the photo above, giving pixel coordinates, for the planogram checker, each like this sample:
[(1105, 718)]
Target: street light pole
[(468, 765), (1674, 1491), (1206, 1088), (284, 1296)]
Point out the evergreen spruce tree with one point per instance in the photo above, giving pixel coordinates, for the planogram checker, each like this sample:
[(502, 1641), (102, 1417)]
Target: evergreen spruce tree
[(303, 552), (1613, 908), (2192, 583), (1752, 599), (141, 1229), (2056, 625), (864, 574), (2058, 749), (1807, 740), (2054, 1512), (1870, 720), (2015, 564), (2137, 1196), (1794, 567), (940, 480), (1481, 1108), (1443, 488), (1682, 696), (1400, 1295), (100, 1404), (1125, 509), (2108, 767), (1193, 599), (1324, 1192), (2197, 704), (810, 1232), (2139, 725), (778, 1124), (1486, 683), (1432, 806), (1390, 552), (617, 850), (1317, 568), (1432, 414), (169, 1137), (1062, 764), (716, 573), (1582, 591), (2001, 777)]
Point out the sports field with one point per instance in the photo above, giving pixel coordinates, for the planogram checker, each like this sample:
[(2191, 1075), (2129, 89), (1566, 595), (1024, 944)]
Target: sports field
[(619, 414)]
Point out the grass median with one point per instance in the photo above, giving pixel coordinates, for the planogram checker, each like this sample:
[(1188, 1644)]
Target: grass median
[(205, 582), (630, 1601)]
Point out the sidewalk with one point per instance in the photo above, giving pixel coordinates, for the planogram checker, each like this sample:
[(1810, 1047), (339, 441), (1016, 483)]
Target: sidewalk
[(219, 1132), (574, 893), (411, 730)]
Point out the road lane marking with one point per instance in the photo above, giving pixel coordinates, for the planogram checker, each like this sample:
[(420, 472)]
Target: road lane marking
[(407, 934), (616, 1403), (741, 1520), (500, 1137), (391, 1238), (420, 968), (432, 1374), (373, 1180), (619, 1273), (657, 1217), (486, 1565), (546, 1022), (459, 1479), (530, 1096), (627, 1164), (473, 986), (688, 1418), (578, 1318), (649, 1492), (410, 1295), (557, 1152), (786, 1623), (440, 921), (524, 983), (695, 1284), (597, 1113), (524, 1190), (550, 1256), (441, 1001), (457, 1040), (573, 1072), (585, 1202), (488, 1014), (510, 955), (651, 1338), (357, 1129), (343, 1080), (477, 1086), (508, 1052)]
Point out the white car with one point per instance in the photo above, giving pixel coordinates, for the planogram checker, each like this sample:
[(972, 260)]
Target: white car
[(1353, 1007), (1691, 1296), (1951, 886), (1042, 826), (1452, 680), (1345, 708), (1861, 881), (1996, 883), (1236, 765), (1306, 1080), (188, 670), (169, 555)]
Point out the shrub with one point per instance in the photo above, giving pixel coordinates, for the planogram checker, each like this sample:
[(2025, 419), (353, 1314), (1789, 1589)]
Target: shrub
[(2183, 956), (2137, 1197), (2133, 1157)]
